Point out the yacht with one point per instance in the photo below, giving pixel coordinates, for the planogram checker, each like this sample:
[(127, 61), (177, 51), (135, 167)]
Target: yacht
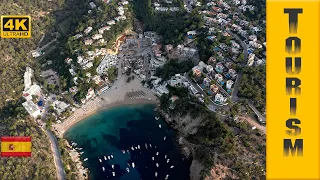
[(159, 125), (105, 158), (128, 170), (138, 146), (164, 138), (157, 153), (86, 159), (167, 176), (111, 156), (168, 160), (113, 174), (100, 160), (81, 152), (103, 169), (171, 167), (165, 156), (152, 158), (150, 145), (133, 164), (112, 166), (132, 148), (123, 151), (155, 174), (157, 164)]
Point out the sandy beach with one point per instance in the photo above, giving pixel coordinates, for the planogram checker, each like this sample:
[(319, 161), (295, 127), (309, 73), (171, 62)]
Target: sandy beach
[(121, 93)]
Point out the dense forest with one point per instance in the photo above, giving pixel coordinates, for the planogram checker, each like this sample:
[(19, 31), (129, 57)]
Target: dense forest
[(171, 26)]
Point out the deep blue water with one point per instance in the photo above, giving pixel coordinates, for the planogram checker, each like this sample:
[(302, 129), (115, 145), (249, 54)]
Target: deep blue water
[(113, 130)]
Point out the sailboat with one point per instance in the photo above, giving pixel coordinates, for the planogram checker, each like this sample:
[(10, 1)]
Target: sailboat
[(150, 145), (171, 167), (168, 160), (86, 159)]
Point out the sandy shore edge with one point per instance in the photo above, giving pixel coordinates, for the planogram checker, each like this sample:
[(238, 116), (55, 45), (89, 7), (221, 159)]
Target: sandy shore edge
[(106, 107)]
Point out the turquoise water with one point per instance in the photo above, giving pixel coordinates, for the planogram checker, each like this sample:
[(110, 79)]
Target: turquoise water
[(120, 128)]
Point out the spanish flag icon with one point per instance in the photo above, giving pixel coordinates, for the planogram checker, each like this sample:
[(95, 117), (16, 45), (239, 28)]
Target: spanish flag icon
[(15, 146)]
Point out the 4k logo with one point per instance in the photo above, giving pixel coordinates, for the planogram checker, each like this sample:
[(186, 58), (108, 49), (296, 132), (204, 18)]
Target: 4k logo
[(15, 26)]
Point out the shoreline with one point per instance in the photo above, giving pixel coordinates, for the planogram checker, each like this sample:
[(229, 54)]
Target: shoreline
[(102, 107)]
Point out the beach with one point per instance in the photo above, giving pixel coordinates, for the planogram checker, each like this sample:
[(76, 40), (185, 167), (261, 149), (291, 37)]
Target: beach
[(121, 93)]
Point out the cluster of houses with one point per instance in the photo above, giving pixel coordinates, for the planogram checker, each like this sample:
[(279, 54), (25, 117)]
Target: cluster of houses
[(37, 103), (216, 79), (160, 8)]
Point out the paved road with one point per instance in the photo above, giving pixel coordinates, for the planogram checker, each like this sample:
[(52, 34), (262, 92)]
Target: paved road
[(255, 110), (57, 157), (234, 95)]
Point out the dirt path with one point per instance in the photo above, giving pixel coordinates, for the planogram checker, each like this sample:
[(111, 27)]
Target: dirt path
[(252, 122)]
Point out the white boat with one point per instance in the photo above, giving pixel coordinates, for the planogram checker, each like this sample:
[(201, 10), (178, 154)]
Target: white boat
[(171, 167), (132, 148), (86, 159), (81, 152), (112, 166), (165, 156), (157, 118), (133, 164), (123, 151), (100, 160), (105, 158), (152, 158), (150, 145), (157, 153), (155, 174), (145, 144), (167, 176), (128, 169), (159, 125), (157, 164), (138, 146), (168, 160), (164, 138), (103, 169), (111, 156), (113, 174)]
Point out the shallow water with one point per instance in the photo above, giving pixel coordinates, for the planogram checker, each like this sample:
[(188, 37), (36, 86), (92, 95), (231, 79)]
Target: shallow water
[(113, 130)]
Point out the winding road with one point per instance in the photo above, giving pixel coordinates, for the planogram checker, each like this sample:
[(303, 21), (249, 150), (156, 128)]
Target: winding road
[(56, 156)]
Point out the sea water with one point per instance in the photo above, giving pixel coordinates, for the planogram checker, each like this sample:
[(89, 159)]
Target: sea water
[(111, 131)]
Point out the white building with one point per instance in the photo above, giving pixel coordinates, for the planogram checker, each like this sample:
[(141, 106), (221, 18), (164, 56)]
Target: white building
[(105, 28), (60, 106), (33, 90), (218, 77), (108, 61), (229, 84), (219, 98), (96, 36), (88, 30), (160, 90), (32, 108), (209, 68), (27, 78), (92, 5)]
